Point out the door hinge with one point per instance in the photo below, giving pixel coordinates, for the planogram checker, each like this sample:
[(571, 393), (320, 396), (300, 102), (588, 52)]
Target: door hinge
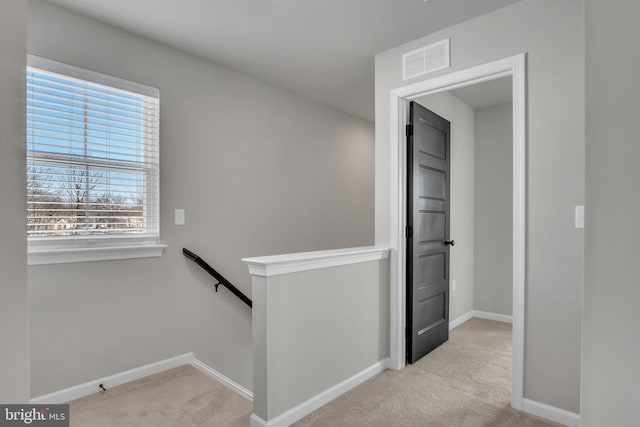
[(409, 130), (408, 232)]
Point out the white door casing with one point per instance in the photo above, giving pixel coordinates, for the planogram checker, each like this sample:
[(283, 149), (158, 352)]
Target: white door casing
[(514, 66)]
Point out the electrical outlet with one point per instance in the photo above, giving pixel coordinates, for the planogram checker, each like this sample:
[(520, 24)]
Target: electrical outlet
[(453, 285)]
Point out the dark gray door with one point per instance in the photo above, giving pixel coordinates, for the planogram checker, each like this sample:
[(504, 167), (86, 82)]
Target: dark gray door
[(428, 240)]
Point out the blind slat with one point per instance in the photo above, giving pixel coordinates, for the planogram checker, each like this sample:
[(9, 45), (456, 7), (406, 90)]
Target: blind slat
[(80, 104), (89, 147), (48, 120), (40, 87), (40, 81), (56, 110), (34, 140), (101, 164)]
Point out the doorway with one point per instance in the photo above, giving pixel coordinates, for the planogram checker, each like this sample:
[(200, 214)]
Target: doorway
[(400, 98)]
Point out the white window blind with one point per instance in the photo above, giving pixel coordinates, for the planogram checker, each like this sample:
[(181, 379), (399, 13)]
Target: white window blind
[(92, 155)]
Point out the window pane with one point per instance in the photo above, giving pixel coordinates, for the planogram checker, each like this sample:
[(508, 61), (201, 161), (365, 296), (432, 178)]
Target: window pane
[(73, 200)]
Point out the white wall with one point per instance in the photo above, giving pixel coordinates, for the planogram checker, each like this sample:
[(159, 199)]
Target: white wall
[(259, 170), (493, 272), (551, 32), (461, 264), (314, 329), (611, 342), (14, 326)]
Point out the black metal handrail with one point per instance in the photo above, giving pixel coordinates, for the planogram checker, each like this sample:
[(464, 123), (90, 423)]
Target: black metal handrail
[(219, 277)]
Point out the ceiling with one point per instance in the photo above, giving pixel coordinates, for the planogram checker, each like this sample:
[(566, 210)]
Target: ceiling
[(321, 49), (486, 94)]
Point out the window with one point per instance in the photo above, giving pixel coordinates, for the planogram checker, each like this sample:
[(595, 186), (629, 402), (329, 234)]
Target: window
[(92, 165)]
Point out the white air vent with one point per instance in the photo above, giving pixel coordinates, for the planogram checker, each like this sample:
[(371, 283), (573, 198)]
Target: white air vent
[(425, 60)]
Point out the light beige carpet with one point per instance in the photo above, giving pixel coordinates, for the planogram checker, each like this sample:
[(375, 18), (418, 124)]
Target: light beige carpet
[(183, 397), (465, 382)]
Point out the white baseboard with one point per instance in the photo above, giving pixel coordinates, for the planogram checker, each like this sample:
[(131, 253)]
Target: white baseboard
[(91, 387), (480, 314), (460, 320), (570, 419), (223, 379), (321, 399), (493, 316), (256, 421)]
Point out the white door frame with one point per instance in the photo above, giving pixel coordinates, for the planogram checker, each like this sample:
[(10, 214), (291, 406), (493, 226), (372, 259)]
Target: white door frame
[(515, 67)]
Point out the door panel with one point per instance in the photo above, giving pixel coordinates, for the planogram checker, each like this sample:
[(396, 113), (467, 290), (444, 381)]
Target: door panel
[(431, 226), (428, 156), (431, 312), (433, 268), (434, 184), (435, 141)]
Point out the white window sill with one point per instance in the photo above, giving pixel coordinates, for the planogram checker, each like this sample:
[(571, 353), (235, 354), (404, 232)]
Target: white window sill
[(44, 255)]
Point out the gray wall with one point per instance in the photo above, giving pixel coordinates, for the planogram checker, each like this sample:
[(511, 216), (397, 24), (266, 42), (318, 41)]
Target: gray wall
[(461, 264), (611, 343), (259, 170), (14, 326), (552, 34), (493, 273), (315, 329)]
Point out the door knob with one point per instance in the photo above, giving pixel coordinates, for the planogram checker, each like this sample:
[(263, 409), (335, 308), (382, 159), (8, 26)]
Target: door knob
[(450, 242)]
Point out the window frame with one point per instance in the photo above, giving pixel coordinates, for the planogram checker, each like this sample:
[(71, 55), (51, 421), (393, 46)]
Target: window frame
[(65, 249)]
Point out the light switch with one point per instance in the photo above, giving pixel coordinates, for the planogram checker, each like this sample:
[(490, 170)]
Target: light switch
[(453, 285), (179, 216), (579, 216)]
